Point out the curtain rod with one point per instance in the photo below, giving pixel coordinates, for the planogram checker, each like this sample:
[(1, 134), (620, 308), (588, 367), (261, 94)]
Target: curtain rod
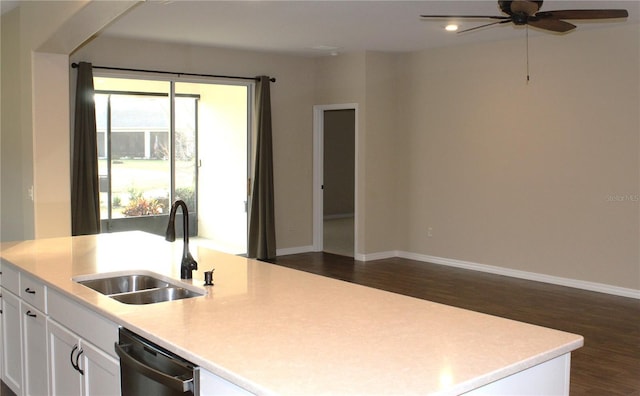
[(272, 79)]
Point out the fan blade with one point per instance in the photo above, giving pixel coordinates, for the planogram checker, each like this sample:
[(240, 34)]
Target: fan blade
[(554, 25), (583, 14), (465, 16), (481, 26)]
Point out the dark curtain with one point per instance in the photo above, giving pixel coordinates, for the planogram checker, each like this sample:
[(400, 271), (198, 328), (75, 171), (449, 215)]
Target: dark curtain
[(85, 195), (262, 230)]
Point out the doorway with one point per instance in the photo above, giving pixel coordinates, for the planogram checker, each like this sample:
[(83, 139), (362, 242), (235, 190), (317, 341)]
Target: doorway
[(223, 147), (162, 140), (335, 176)]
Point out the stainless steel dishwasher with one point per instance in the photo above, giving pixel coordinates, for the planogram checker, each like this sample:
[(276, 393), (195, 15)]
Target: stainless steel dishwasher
[(147, 369)]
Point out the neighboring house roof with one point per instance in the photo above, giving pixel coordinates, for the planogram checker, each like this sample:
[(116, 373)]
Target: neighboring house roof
[(139, 113), (145, 113)]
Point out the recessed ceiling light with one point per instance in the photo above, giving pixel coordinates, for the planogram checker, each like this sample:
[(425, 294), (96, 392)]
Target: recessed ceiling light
[(451, 27), (324, 48), (328, 49)]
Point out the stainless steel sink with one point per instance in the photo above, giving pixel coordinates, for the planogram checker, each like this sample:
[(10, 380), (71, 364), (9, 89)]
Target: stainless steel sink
[(124, 284), (155, 295), (140, 287)]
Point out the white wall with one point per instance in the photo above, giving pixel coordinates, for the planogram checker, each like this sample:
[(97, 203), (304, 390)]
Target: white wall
[(52, 212), (540, 177), (381, 154), (36, 37), (17, 217)]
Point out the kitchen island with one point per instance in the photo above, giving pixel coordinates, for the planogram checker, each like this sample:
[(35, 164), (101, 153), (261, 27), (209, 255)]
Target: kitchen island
[(273, 330)]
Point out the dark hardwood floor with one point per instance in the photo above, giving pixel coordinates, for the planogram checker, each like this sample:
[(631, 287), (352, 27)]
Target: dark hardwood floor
[(609, 362), (5, 391)]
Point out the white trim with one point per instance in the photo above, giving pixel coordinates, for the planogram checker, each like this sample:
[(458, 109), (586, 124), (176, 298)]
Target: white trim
[(378, 255), (318, 154), (294, 250), (492, 269), (556, 280)]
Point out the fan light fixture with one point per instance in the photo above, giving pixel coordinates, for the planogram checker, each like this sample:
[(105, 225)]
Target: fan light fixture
[(527, 12), (452, 27)]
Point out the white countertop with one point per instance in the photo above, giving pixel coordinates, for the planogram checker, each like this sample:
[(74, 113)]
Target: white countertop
[(274, 330)]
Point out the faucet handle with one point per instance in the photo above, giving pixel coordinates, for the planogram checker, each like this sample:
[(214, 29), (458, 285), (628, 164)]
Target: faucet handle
[(187, 266), (208, 277)]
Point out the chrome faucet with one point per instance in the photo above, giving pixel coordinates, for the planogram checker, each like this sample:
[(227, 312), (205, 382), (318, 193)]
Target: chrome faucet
[(188, 264)]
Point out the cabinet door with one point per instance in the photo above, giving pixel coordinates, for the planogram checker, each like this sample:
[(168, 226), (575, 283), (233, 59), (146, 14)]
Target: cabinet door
[(12, 333), (101, 371), (1, 334), (63, 349), (34, 347)]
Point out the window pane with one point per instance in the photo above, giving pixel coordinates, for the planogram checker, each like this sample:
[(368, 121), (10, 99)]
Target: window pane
[(103, 171), (130, 85), (185, 151), (140, 163)]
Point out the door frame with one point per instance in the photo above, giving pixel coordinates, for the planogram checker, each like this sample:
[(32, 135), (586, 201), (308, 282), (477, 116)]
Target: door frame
[(318, 173)]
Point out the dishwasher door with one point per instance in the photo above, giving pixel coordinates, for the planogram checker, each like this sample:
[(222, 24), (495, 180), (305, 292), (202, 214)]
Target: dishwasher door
[(147, 369)]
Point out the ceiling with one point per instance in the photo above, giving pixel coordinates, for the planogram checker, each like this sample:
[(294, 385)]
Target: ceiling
[(307, 27), (328, 27)]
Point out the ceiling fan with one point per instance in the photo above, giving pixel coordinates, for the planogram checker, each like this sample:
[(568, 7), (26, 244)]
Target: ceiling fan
[(527, 12)]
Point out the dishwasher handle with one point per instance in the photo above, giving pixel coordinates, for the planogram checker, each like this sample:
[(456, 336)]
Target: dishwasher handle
[(156, 375)]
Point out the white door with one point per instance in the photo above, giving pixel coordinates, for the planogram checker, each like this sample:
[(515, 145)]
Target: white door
[(101, 371), (36, 372), (12, 333), (1, 337), (65, 379)]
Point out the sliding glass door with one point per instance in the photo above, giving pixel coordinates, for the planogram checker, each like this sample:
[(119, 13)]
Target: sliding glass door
[(223, 124), (159, 141)]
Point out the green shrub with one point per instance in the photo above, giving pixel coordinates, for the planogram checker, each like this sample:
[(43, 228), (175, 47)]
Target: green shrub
[(187, 194)]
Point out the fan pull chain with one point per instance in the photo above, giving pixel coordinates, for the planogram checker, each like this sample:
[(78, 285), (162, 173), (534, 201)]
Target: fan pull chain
[(527, 35)]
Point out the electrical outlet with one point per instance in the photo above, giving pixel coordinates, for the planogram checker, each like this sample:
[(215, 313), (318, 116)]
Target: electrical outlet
[(430, 232)]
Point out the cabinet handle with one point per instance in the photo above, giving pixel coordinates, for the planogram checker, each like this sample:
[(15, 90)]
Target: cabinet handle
[(80, 352), (31, 314), (76, 364), (28, 290)]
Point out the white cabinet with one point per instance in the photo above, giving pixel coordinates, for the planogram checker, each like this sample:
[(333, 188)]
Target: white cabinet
[(548, 378), (12, 340), (81, 349), (101, 371), (34, 351), (78, 367), (63, 351), (211, 384), (53, 345), (24, 335), (11, 330), (1, 324)]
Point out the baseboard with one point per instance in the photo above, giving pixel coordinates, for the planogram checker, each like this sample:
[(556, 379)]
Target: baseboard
[(377, 256), (556, 280), (294, 250)]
